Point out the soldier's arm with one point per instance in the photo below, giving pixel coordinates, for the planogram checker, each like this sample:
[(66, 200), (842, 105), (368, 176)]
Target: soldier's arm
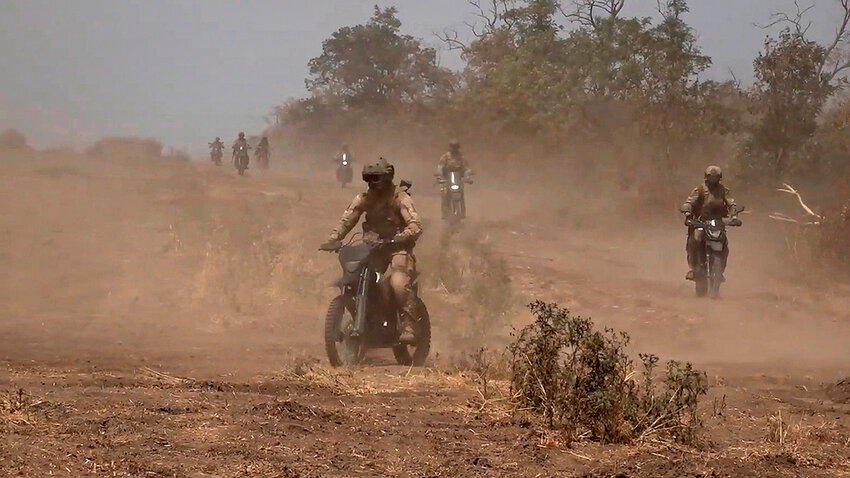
[(441, 165), (413, 225), (692, 200), (349, 219), (730, 201)]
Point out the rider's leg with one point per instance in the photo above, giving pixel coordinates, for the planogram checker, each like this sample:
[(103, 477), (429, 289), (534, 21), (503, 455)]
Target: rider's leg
[(444, 198), (693, 248), (724, 257), (402, 268)]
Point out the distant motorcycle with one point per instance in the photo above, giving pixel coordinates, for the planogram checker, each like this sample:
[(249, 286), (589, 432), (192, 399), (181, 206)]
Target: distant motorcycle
[(362, 317), (215, 156), (453, 188), (344, 173), (263, 158), (709, 273), (240, 158), (216, 153)]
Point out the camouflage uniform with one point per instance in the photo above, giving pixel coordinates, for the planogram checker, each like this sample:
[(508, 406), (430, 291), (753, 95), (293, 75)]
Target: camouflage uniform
[(706, 202), (449, 162), (240, 141), (389, 215)]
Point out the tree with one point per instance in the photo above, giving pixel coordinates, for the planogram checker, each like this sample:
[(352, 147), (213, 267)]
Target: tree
[(795, 77), (788, 96), (374, 66)]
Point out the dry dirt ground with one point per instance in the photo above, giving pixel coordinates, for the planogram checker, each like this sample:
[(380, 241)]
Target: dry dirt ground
[(164, 319)]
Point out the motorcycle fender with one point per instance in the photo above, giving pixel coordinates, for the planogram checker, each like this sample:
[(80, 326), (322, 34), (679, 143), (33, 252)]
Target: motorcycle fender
[(716, 246)]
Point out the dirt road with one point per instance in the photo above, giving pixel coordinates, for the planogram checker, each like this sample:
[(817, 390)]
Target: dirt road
[(163, 319)]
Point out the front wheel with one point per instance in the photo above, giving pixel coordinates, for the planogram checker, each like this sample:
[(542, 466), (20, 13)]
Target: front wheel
[(341, 347), (422, 334), (715, 277), (701, 281)]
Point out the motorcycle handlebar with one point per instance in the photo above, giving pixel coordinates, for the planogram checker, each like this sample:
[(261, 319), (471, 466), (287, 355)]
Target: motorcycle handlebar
[(728, 221)]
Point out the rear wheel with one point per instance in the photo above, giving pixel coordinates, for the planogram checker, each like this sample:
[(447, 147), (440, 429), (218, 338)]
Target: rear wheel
[(422, 333), (340, 346)]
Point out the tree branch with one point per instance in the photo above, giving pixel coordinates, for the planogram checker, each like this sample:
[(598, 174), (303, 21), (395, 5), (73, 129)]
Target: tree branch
[(452, 40), (583, 11), (841, 37)]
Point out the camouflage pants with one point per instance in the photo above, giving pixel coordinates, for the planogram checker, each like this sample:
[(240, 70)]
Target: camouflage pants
[(695, 248), (399, 278)]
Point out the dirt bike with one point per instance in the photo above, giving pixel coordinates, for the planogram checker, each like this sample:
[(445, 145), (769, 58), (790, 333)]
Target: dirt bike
[(708, 275), (263, 158), (344, 173), (240, 158), (215, 156), (453, 188), (361, 317)]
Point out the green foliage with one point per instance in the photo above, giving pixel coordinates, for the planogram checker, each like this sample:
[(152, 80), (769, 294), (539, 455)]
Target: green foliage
[(788, 96), (375, 67), (581, 381)]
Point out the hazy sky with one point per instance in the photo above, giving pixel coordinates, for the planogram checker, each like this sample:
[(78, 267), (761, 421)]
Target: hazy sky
[(184, 71)]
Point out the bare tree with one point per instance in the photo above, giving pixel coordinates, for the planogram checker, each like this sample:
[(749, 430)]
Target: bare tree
[(586, 12), (835, 64), (489, 14)]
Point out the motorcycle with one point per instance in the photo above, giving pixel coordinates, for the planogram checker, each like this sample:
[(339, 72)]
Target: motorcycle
[(708, 275), (263, 158), (361, 317), (453, 185), (344, 173), (215, 156), (240, 158)]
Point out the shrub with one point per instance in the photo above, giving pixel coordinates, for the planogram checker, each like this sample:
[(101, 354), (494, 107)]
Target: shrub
[(582, 381), (12, 139)]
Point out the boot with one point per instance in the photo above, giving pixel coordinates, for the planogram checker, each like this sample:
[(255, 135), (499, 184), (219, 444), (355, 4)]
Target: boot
[(689, 275), (407, 319)]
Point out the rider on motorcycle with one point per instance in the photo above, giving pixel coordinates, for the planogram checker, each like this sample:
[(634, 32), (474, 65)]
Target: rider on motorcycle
[(217, 146), (390, 215), (216, 150), (343, 154), (263, 146), (707, 201), (452, 161), (240, 141)]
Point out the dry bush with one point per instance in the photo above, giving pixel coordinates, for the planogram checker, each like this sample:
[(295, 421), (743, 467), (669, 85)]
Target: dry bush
[(581, 381), (465, 267), (251, 267), (126, 146)]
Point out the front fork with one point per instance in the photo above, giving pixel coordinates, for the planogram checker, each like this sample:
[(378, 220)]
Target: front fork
[(362, 300)]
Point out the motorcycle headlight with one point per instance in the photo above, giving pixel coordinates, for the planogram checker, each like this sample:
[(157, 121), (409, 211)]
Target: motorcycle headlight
[(455, 187), (345, 163)]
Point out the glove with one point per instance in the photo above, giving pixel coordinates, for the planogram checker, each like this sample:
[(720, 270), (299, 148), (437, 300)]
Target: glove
[(688, 218), (331, 245)]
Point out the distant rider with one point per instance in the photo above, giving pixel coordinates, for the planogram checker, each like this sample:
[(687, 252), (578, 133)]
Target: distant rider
[(344, 156), (390, 215), (451, 161), (710, 200), (217, 146), (217, 149), (263, 147), (240, 141)]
